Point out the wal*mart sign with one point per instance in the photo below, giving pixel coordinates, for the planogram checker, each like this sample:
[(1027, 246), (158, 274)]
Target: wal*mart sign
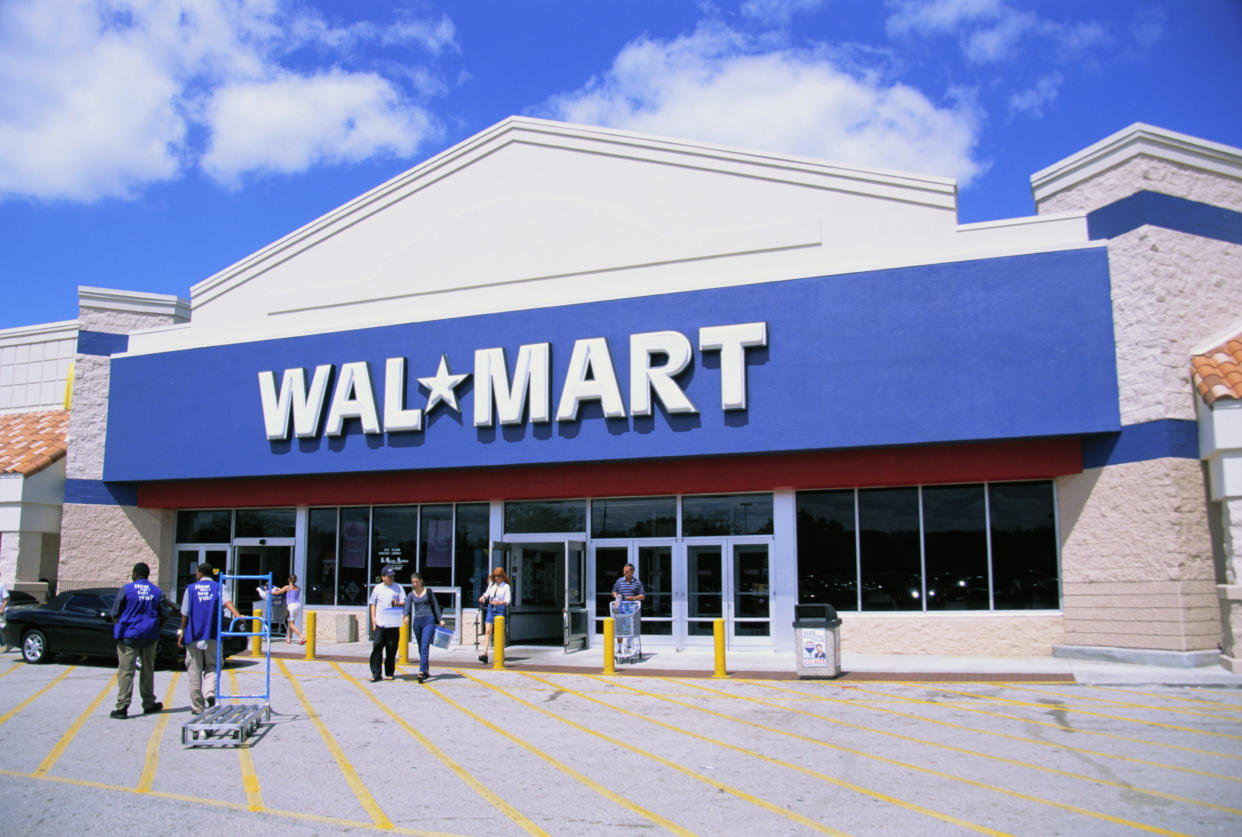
[(656, 359)]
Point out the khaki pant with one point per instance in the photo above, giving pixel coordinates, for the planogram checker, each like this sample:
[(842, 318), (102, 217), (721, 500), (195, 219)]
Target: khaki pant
[(126, 658), (200, 662)]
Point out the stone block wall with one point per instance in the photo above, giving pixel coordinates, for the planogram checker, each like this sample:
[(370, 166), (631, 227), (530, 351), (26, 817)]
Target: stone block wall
[(967, 634), (101, 544), (1136, 557)]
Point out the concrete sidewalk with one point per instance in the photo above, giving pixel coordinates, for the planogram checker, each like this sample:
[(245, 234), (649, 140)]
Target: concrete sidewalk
[(700, 662)]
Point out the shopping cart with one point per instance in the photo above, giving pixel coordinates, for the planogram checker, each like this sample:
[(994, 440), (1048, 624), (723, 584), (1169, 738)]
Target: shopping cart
[(627, 629)]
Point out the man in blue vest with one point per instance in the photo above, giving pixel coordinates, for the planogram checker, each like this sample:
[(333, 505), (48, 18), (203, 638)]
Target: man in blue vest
[(138, 612), (200, 630)]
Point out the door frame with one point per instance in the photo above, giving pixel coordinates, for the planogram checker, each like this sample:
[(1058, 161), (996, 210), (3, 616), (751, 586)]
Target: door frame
[(681, 590), (633, 547)]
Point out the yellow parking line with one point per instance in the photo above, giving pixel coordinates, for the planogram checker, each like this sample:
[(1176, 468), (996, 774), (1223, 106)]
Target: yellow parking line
[(559, 765), (1125, 786), (1087, 712), (153, 742), (478, 787), (1059, 727), (1128, 704), (233, 806), (351, 776), (7, 715), (245, 762), (54, 756), (806, 822), (907, 765), (12, 668), (1227, 706), (772, 760), (1007, 735)]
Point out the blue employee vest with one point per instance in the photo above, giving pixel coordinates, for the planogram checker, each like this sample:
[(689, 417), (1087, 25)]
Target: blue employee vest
[(140, 617), (203, 621)]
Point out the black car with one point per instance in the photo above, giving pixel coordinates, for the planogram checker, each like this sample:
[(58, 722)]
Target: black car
[(77, 622)]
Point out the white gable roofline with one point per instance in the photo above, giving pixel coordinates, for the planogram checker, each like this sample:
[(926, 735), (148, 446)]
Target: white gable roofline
[(1137, 139), (934, 192), (133, 301)]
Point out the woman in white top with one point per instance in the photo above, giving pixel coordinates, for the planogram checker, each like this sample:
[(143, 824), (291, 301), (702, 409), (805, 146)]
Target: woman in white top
[(293, 603), (497, 598)]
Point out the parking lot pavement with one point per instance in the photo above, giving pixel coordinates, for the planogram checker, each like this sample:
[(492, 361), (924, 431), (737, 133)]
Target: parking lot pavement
[(479, 751)]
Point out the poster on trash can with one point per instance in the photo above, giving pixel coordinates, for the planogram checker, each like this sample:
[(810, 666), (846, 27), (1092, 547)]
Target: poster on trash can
[(814, 643)]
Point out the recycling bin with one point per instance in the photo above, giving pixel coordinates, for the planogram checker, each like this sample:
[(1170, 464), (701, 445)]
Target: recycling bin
[(817, 640)]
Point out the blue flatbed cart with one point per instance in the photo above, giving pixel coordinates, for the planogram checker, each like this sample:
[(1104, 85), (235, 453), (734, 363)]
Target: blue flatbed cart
[(232, 724)]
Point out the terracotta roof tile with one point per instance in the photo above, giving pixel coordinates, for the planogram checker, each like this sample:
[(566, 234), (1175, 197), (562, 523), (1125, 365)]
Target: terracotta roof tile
[(1217, 372), (29, 442)]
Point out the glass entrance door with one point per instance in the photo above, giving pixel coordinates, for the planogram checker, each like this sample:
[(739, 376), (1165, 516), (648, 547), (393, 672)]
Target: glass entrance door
[(653, 566), (188, 559), (577, 619), (729, 580)]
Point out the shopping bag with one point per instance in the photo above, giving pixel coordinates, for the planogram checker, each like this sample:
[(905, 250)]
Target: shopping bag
[(442, 637)]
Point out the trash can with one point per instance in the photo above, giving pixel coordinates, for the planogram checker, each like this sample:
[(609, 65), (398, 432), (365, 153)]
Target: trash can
[(817, 640)]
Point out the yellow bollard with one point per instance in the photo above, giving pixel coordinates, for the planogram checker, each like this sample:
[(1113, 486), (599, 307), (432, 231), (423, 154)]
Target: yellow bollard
[(498, 640), (403, 643), (610, 651), (308, 628), (718, 634), (256, 642)]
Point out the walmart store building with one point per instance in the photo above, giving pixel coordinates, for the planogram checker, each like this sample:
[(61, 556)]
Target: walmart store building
[(762, 380)]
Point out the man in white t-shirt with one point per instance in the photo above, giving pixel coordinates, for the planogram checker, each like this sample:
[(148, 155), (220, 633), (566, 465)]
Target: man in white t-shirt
[(386, 602)]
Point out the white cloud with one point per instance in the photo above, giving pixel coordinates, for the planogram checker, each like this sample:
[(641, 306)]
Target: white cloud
[(777, 11), (1032, 100), (992, 30), (99, 98), (290, 123), (712, 86)]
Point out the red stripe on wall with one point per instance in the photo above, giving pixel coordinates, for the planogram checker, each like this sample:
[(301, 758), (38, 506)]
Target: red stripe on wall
[(985, 461)]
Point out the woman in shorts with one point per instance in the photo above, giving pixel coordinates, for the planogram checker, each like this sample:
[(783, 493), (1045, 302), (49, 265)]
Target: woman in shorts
[(497, 598)]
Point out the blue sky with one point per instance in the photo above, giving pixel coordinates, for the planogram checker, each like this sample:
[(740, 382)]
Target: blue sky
[(147, 144)]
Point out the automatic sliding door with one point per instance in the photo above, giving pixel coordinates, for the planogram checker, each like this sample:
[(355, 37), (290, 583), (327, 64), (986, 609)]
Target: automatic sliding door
[(752, 591), (704, 588), (655, 571)]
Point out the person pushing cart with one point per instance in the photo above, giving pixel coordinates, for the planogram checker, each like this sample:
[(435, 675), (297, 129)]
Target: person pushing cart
[(626, 607)]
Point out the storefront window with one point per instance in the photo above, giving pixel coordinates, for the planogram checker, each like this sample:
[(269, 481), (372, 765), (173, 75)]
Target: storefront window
[(436, 539), (265, 523), (353, 579), (546, 516), (471, 551), (888, 527), (948, 569), (955, 545), (637, 517), (394, 539), (1024, 546), (321, 541), (727, 514), (204, 526), (827, 552)]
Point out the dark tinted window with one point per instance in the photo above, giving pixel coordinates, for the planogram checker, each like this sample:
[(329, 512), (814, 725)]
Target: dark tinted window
[(727, 514), (546, 516), (1024, 546), (86, 604), (436, 538), (353, 583), (471, 551), (638, 517), (394, 539), (888, 523), (203, 526), (955, 544), (265, 523), (320, 582), (827, 565)]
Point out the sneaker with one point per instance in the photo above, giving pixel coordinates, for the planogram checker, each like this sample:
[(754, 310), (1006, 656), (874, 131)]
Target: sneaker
[(153, 708), (422, 677), (211, 701), (119, 714), (483, 658)]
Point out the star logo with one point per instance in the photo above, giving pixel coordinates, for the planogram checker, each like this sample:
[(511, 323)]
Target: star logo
[(440, 388)]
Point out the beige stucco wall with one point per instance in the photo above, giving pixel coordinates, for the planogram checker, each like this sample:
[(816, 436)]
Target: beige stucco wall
[(979, 634), (1136, 557), (100, 544), (1145, 173)]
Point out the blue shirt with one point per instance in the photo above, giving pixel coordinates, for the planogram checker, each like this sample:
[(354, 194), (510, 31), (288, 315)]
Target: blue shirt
[(628, 588), (201, 607), (138, 613)]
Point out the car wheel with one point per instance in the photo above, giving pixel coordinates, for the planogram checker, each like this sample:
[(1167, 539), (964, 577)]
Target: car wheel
[(35, 648)]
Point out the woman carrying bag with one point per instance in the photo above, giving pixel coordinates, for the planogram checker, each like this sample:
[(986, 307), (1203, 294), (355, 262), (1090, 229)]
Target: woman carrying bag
[(422, 614)]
